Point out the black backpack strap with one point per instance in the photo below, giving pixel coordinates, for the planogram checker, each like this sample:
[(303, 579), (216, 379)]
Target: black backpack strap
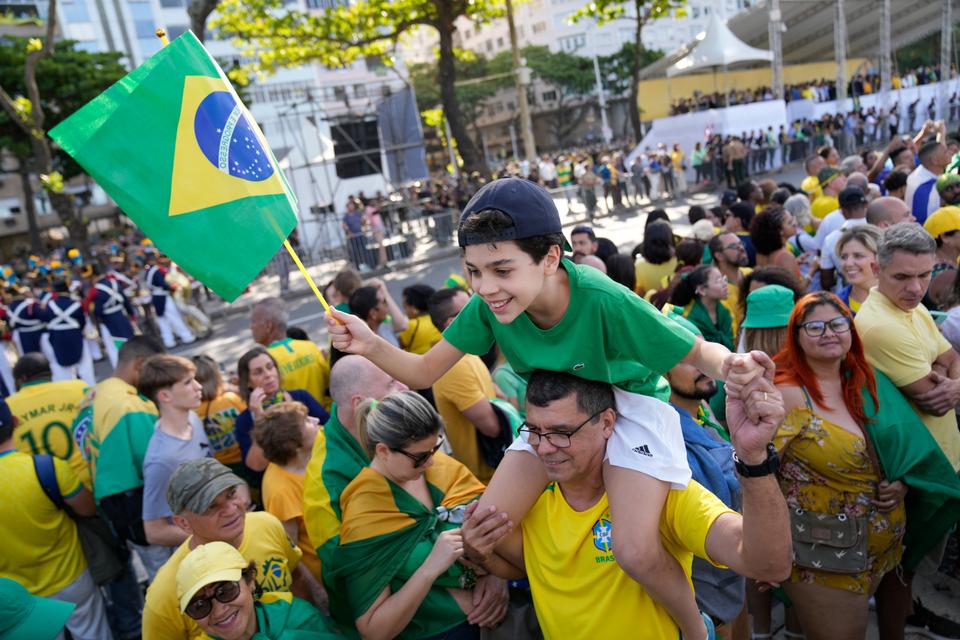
[(46, 474)]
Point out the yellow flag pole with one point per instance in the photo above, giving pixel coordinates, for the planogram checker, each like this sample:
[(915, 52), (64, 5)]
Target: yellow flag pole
[(162, 34), (303, 270)]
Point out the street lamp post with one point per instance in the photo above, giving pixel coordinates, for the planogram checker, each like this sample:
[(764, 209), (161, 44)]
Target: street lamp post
[(521, 80), (605, 126)]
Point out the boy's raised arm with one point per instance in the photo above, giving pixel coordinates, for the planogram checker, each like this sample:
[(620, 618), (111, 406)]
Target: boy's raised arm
[(350, 334)]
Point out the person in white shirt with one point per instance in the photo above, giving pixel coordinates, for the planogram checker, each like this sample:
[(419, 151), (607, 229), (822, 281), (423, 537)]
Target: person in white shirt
[(922, 196)]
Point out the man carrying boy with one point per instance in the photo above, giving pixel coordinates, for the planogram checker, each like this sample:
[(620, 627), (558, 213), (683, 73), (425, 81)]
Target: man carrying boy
[(544, 312), (179, 436)]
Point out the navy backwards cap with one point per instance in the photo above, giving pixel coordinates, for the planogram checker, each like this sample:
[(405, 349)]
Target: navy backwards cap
[(527, 204)]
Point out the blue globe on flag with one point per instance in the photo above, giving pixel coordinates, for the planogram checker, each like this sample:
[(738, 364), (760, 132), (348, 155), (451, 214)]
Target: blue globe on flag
[(227, 139)]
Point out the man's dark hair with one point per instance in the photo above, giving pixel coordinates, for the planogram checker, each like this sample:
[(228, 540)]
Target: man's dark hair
[(418, 296), (582, 228), (620, 268), (31, 366), (744, 189), (765, 230), (744, 211), (297, 333), (138, 347), (896, 154), (824, 151), (896, 179), (696, 214), (363, 301), (927, 150), (6, 421), (545, 387), (605, 248), (441, 306), (489, 224)]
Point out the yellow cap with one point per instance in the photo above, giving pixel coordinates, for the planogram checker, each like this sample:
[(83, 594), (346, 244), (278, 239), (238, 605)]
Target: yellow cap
[(943, 220), (208, 563)]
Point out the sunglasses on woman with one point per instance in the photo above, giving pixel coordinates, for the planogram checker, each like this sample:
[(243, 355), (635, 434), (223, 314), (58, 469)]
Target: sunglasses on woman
[(816, 328), (420, 458), (224, 592)]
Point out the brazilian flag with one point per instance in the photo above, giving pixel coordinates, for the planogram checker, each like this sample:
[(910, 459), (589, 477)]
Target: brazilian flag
[(176, 149)]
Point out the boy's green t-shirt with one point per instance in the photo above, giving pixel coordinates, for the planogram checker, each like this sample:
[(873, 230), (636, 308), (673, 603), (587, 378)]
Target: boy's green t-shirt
[(608, 333)]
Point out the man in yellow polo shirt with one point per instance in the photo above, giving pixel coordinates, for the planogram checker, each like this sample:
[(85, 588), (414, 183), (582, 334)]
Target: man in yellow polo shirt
[(302, 365), (203, 495), (564, 542), (901, 339), (45, 411), (811, 184)]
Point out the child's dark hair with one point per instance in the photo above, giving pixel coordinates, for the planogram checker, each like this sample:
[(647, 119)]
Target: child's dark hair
[(620, 269), (696, 213), (297, 333), (765, 230), (418, 296), (686, 290), (656, 214), (489, 224), (690, 252)]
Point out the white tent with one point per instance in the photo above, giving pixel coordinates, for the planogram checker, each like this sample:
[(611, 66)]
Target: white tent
[(718, 48)]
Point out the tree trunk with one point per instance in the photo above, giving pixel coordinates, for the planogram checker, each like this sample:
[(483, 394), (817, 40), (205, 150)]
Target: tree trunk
[(199, 11), (633, 107), (33, 229), (472, 158)]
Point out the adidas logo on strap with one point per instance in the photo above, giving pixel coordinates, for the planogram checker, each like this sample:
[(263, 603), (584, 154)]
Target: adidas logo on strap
[(643, 450)]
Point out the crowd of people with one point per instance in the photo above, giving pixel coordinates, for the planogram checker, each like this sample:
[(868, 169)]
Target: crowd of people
[(765, 406), (861, 84)]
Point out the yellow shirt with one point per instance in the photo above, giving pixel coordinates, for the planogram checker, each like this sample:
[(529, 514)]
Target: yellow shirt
[(579, 590), (419, 335), (465, 384), (282, 493), (219, 418), (303, 366), (652, 276), (823, 206), (45, 411), (264, 542), (41, 549), (904, 345)]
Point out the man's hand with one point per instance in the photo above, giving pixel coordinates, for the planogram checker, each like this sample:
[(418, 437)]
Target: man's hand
[(754, 413), (350, 334), (483, 531), (942, 399), (490, 600), (889, 495)]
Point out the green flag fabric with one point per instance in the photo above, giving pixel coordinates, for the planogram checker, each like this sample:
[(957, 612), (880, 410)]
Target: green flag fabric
[(908, 452), (173, 145), (386, 536)]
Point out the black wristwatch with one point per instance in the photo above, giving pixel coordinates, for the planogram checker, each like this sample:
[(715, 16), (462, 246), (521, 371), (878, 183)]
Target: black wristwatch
[(769, 466)]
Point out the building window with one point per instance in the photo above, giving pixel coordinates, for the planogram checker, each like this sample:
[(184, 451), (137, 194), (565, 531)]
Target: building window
[(511, 106), (539, 27), (176, 31), (340, 93), (500, 43), (488, 45), (171, 4), (466, 34), (360, 90), (549, 96), (573, 43)]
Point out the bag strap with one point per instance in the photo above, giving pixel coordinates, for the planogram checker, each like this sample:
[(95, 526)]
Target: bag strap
[(46, 474)]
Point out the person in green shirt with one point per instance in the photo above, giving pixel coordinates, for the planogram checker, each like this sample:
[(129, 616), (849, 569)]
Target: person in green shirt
[(216, 587), (544, 312)]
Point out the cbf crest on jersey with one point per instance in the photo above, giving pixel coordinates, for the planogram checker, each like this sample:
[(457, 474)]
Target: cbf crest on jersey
[(176, 149)]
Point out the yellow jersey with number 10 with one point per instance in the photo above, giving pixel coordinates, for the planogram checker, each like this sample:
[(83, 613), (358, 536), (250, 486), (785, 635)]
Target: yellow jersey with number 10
[(45, 413)]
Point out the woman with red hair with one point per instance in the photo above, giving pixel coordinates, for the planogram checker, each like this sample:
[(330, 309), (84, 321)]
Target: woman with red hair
[(847, 521)]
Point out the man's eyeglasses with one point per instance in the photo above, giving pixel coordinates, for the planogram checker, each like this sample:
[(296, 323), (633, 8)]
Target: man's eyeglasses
[(734, 246), (224, 592), (816, 328), (558, 439), (420, 458)]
